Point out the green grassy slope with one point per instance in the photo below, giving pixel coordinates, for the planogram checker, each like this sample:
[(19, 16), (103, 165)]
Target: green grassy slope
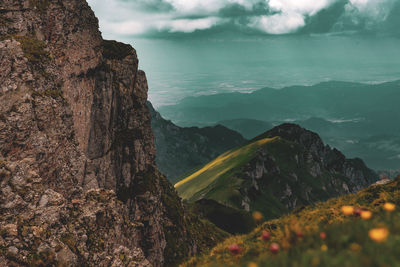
[(271, 174), (231, 220), (207, 179), (349, 238)]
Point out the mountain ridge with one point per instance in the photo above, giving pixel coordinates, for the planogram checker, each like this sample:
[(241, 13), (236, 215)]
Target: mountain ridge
[(334, 89), (359, 112), (276, 172)]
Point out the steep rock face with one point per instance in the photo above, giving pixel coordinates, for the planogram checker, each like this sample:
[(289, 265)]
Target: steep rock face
[(180, 150), (326, 157), (73, 118), (99, 79), (46, 216), (305, 171)]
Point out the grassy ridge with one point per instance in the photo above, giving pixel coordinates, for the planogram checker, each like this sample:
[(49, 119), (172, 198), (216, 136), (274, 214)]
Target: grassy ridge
[(227, 179), (195, 185), (347, 241)]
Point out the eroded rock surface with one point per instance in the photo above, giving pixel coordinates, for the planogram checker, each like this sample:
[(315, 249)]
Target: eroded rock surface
[(300, 170), (78, 178)]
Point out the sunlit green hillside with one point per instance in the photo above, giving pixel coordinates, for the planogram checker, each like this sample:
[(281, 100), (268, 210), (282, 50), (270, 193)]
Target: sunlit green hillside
[(213, 176), (280, 170)]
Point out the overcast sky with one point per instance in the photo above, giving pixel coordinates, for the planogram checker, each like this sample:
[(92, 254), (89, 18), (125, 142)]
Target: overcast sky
[(155, 17)]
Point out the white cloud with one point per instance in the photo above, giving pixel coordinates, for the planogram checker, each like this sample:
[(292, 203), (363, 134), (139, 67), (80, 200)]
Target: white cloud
[(300, 7), (126, 27), (188, 25), (123, 17), (290, 15), (279, 23)]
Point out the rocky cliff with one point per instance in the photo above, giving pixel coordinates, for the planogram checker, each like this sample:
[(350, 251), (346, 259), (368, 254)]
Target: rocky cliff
[(78, 180), (324, 157), (180, 150), (309, 170)]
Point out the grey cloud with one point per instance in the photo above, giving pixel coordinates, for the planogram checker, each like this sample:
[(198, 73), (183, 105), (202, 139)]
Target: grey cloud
[(172, 17)]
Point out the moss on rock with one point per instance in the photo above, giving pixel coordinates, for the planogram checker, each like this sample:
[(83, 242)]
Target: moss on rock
[(54, 93), (116, 50), (70, 241)]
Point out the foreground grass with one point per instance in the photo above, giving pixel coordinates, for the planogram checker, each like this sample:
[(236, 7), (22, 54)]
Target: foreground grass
[(346, 239)]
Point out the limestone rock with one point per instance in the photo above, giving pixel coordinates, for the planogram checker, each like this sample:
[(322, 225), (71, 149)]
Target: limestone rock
[(76, 146)]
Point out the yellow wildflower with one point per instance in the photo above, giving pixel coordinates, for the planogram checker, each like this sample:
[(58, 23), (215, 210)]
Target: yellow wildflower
[(324, 247), (252, 264), (257, 216), (366, 214), (379, 235), (348, 210), (389, 206)]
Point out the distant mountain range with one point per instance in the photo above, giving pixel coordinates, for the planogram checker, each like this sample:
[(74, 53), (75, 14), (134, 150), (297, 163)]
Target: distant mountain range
[(357, 118), (247, 127), (276, 172)]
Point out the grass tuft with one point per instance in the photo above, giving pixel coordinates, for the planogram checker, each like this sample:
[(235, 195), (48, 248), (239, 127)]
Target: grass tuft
[(116, 50), (34, 49)]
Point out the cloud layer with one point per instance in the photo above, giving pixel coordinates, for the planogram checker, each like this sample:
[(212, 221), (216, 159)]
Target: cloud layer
[(152, 17)]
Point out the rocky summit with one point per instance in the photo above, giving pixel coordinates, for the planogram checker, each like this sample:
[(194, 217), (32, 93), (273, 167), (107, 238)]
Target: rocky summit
[(78, 180)]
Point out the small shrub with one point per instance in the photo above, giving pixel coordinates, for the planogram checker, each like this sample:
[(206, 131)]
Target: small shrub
[(34, 49), (116, 50), (44, 258), (54, 93), (40, 5)]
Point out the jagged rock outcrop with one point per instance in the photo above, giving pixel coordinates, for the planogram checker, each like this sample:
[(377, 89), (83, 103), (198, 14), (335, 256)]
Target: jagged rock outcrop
[(180, 150), (310, 171), (325, 157), (73, 119)]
